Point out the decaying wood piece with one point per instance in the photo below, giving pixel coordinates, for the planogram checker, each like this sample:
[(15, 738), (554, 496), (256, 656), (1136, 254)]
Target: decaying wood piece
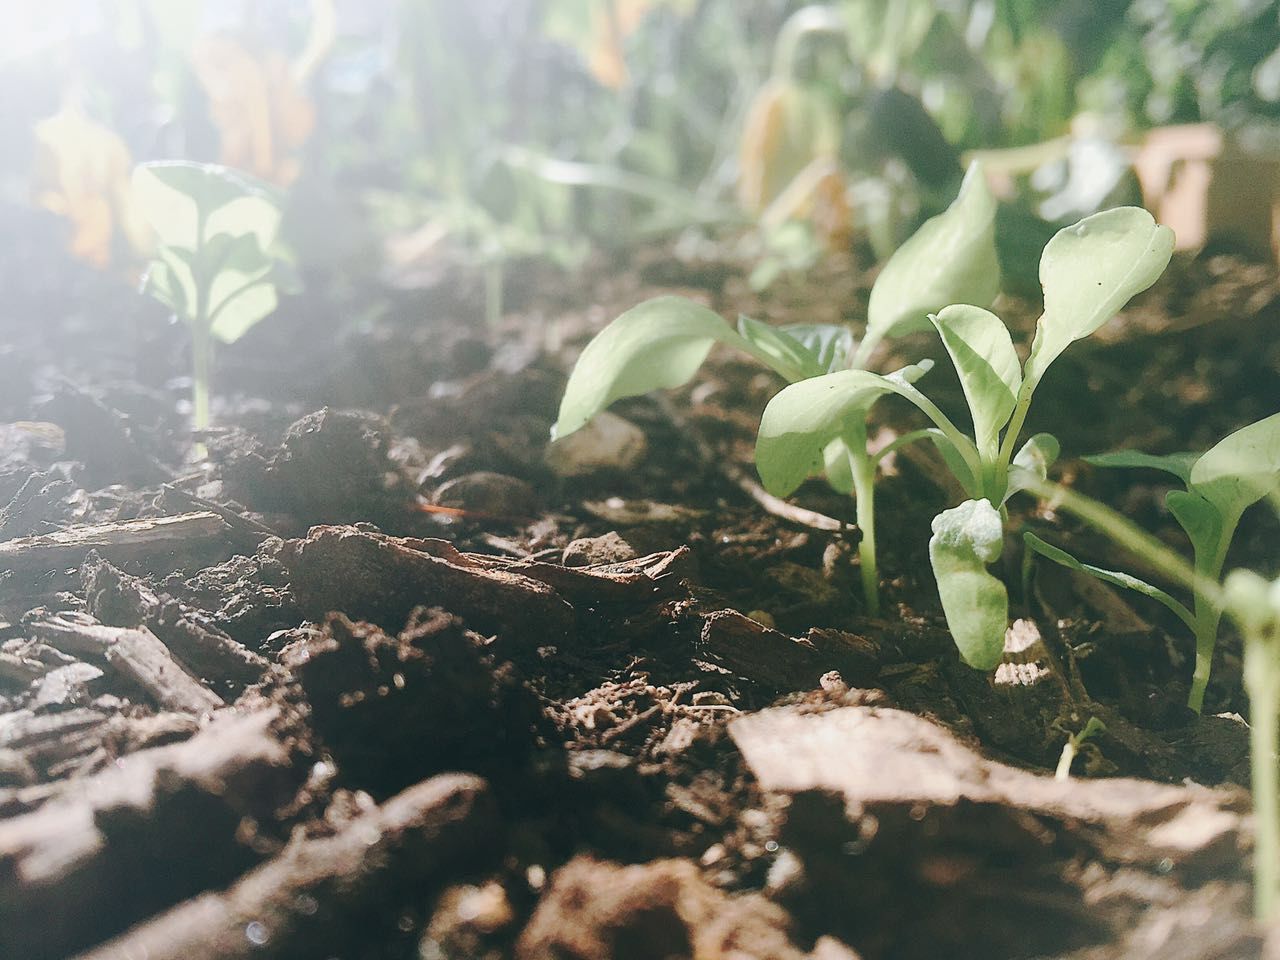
[(381, 579), (973, 844), (773, 662), (123, 600), (161, 825), (335, 895), (134, 653), (119, 541), (632, 579)]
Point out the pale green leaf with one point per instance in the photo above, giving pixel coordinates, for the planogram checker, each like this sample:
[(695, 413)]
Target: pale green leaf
[(950, 259), (828, 343), (1178, 464), (983, 354), (1089, 271), (1202, 521), (658, 344), (1116, 577), (242, 310), (837, 468), (172, 195), (790, 357), (803, 419), (1241, 469), (965, 540), (1032, 462)]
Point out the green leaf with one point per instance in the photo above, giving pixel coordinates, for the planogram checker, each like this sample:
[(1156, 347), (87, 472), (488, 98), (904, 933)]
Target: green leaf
[(803, 419), (950, 259), (1178, 464), (1033, 461), (790, 357), (837, 468), (965, 540), (1240, 469), (954, 460), (1202, 521), (658, 344), (1089, 271), (983, 354), (828, 343), (171, 195), (1119, 579)]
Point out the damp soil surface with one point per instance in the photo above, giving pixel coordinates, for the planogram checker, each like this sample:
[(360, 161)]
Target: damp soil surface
[(379, 678)]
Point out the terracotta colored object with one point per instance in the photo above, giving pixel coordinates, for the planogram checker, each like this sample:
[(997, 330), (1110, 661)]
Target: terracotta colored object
[(1202, 182)]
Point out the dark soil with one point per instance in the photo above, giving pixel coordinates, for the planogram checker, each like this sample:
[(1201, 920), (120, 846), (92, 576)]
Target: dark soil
[(376, 681)]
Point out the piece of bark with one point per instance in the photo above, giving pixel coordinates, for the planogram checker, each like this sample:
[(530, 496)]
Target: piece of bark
[(378, 578), (905, 837), (775, 663), (182, 535), (641, 578), (161, 825), (118, 598), (338, 895), (136, 654)]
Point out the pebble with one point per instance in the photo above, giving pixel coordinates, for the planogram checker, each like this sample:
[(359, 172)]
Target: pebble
[(496, 494), (610, 548), (607, 442)]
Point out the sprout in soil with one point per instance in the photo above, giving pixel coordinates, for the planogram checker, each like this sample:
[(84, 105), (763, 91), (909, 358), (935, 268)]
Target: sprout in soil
[(214, 263), (1089, 271), (1236, 473), (662, 343), (1252, 602)]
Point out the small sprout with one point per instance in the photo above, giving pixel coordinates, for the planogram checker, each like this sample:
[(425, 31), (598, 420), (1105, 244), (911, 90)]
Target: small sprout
[(1236, 473), (661, 343), (214, 266), (1072, 747)]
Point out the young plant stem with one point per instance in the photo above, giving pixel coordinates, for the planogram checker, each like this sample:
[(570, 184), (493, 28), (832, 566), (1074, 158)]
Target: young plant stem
[(1208, 616), (1000, 479), (201, 348), (1262, 681), (865, 348), (863, 469)]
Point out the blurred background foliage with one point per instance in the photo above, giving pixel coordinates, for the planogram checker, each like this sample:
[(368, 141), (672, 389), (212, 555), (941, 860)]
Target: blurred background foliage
[(415, 136)]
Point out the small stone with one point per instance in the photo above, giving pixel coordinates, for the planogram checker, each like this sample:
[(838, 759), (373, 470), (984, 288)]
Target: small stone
[(607, 442), (610, 548), (495, 494)]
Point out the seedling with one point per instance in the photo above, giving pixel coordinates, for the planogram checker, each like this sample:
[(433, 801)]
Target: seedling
[(213, 265), (1088, 272), (1219, 486), (1255, 606), (664, 341), (1072, 747)]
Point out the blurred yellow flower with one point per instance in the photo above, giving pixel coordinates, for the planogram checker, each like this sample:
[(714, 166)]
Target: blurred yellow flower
[(258, 104), (82, 172)]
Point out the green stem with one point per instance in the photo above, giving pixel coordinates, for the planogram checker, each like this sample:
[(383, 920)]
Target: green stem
[(200, 351), (860, 356), (1262, 681), (863, 468), (1208, 617), (1014, 427)]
